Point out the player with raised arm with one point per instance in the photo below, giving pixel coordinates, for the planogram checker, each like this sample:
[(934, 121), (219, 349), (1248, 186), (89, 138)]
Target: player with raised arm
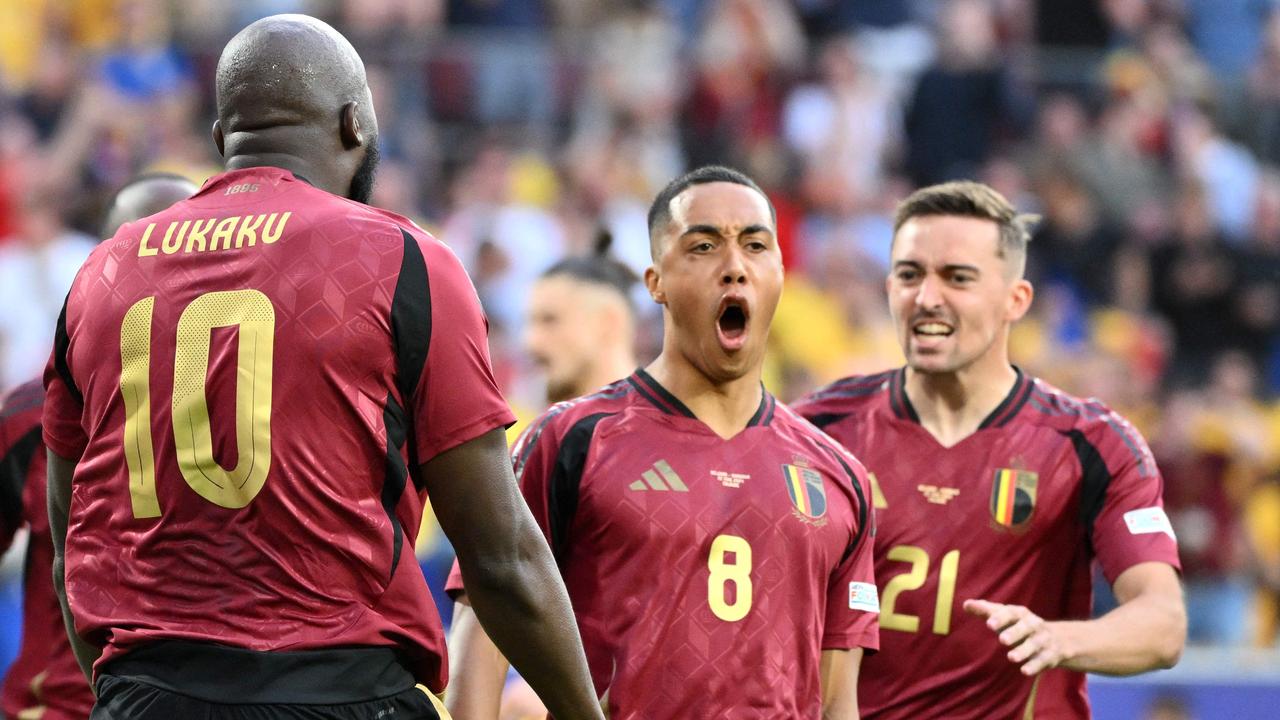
[(998, 492), (44, 680), (250, 396), (716, 547)]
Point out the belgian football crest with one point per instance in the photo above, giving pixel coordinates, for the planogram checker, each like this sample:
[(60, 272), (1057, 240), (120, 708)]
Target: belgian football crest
[(1013, 497), (806, 489)]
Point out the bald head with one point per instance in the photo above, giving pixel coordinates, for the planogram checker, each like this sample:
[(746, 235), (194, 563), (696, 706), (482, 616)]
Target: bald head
[(145, 195), (292, 93)]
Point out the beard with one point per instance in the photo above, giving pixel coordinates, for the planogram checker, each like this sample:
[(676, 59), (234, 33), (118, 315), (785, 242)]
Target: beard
[(362, 183)]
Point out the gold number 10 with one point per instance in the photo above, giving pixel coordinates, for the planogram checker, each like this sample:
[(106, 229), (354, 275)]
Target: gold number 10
[(912, 580), (251, 312)]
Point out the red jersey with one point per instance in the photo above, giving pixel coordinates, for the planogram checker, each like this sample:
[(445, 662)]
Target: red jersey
[(44, 680), (1015, 513), (251, 379), (707, 575)]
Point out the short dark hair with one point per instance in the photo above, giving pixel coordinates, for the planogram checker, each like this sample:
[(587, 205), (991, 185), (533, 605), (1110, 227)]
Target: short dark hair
[(966, 198), (597, 268), (660, 210)]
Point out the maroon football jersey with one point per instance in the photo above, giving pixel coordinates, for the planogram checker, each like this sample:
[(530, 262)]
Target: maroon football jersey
[(44, 680), (253, 377), (1015, 513), (707, 575)]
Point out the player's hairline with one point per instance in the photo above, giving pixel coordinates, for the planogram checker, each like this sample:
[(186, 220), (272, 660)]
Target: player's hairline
[(967, 198), (660, 211)]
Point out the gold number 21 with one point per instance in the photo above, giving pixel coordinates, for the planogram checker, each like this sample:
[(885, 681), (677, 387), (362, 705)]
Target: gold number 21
[(251, 312), (912, 580)]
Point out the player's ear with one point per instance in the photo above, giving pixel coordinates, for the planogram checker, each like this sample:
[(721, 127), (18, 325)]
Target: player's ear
[(218, 140), (1020, 296), (653, 283), (349, 126)]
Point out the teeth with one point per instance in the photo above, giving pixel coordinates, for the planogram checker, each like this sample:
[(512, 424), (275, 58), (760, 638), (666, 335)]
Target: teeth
[(933, 329)]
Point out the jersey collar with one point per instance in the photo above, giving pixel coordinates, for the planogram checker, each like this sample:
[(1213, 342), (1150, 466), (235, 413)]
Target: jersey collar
[(901, 406), (650, 389)]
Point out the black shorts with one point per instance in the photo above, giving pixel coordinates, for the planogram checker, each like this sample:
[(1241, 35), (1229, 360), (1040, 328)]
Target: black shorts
[(197, 681)]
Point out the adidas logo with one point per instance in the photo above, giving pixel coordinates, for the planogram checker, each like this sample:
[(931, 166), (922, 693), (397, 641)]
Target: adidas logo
[(661, 477)]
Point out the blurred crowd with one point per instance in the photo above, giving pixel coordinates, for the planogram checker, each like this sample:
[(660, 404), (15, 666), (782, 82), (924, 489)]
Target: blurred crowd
[(1146, 133)]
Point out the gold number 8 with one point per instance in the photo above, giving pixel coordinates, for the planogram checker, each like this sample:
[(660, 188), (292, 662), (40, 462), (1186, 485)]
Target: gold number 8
[(722, 573)]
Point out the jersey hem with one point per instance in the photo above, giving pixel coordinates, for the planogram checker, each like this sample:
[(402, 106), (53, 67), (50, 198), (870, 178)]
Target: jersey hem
[(67, 451), (850, 640), (499, 419)]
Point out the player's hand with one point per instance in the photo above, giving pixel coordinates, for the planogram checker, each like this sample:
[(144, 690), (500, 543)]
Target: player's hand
[(1034, 643)]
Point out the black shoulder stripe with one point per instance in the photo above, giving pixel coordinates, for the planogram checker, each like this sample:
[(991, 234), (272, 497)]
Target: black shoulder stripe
[(411, 339), (397, 474), (1095, 478), (855, 386), (566, 479), (411, 334), (822, 420), (61, 346), (14, 467), (863, 510)]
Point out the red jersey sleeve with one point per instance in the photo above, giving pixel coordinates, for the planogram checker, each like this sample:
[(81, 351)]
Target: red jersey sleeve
[(1123, 498), (64, 405), (457, 398), (453, 585), (853, 606), (13, 470)]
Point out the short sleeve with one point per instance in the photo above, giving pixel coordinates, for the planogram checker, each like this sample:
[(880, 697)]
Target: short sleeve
[(453, 585), (853, 607), (64, 405), (12, 477), (21, 462), (1122, 500), (455, 398)]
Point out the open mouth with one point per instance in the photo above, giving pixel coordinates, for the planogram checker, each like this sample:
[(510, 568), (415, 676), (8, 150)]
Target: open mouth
[(731, 325)]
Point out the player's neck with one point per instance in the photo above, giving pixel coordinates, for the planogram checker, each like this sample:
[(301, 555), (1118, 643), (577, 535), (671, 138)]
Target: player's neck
[(725, 407), (294, 164), (952, 406)]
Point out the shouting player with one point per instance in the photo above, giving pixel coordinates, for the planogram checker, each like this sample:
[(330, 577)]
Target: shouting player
[(44, 680), (581, 330), (717, 548), (998, 491), (254, 390)]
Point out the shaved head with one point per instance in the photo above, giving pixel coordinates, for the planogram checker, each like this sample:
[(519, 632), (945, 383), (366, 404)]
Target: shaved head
[(292, 86), (143, 196)]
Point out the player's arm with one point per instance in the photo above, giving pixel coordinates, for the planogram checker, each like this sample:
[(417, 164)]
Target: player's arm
[(511, 577), (477, 669), (59, 472), (1146, 632), (839, 676), (1135, 546)]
